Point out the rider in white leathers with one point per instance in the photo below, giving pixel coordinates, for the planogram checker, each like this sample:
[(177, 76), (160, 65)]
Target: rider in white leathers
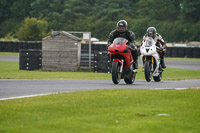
[(151, 32)]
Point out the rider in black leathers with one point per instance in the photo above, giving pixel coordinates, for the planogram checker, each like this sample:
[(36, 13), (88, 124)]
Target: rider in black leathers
[(122, 31)]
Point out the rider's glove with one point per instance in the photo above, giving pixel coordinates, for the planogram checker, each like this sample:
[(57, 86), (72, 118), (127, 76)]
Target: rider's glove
[(133, 46), (161, 48), (109, 43)]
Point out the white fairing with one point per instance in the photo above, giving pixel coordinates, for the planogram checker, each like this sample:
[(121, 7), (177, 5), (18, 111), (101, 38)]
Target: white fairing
[(148, 48)]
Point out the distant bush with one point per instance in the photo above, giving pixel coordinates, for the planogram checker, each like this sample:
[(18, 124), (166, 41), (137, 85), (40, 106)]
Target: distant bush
[(32, 29), (9, 37)]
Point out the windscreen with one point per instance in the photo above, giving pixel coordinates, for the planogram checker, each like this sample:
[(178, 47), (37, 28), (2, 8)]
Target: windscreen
[(149, 42), (120, 40)]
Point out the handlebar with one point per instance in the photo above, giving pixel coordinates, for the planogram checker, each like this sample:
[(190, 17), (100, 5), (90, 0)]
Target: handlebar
[(159, 48), (135, 48)]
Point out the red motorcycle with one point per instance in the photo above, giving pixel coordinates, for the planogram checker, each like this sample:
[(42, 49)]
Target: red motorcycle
[(122, 61)]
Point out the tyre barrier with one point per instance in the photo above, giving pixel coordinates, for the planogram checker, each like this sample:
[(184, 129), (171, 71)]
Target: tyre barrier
[(189, 52), (15, 46), (84, 63), (102, 62), (30, 59), (196, 53), (186, 52), (94, 47)]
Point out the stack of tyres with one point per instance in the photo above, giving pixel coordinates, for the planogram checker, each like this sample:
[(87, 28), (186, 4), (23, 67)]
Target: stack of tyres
[(102, 62), (30, 59), (168, 52), (1, 46), (181, 52), (174, 52), (196, 52), (189, 52), (39, 45), (10, 46), (98, 47), (20, 45), (23, 45), (5, 44), (16, 47), (30, 44), (35, 45)]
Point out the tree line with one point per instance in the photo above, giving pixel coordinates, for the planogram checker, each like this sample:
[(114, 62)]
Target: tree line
[(175, 20)]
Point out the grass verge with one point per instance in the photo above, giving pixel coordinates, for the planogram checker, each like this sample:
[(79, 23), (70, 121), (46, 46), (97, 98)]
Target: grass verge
[(182, 59), (10, 70), (107, 111), (9, 54)]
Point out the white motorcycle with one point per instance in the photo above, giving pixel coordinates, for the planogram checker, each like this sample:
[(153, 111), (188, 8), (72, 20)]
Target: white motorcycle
[(151, 60)]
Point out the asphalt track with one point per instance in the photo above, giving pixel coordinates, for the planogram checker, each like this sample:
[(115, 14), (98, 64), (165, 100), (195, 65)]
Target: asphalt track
[(20, 88)]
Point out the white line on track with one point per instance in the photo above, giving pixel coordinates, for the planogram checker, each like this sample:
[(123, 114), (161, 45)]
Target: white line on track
[(9, 98), (27, 96)]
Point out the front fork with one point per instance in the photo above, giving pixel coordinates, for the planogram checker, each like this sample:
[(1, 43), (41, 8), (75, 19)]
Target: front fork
[(152, 62), (122, 64)]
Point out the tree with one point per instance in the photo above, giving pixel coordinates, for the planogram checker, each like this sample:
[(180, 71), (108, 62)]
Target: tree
[(190, 10), (32, 29), (20, 9), (162, 10), (175, 20)]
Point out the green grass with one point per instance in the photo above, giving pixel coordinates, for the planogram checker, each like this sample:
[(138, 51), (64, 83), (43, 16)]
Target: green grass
[(182, 59), (9, 54), (10, 70), (104, 111)]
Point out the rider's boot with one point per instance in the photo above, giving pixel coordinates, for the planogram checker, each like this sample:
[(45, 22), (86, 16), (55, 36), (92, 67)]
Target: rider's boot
[(136, 64), (135, 58), (162, 63)]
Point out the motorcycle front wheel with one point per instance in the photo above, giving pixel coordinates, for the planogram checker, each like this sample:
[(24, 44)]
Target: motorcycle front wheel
[(159, 77), (147, 70), (116, 75)]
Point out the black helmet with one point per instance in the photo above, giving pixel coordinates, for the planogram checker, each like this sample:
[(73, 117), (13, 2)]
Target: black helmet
[(122, 25), (151, 31)]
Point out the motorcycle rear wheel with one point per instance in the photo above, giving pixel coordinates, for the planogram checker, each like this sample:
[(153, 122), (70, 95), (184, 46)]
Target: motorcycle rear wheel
[(147, 70), (116, 75), (131, 79)]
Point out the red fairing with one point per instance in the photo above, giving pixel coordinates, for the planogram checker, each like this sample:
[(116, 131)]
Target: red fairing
[(119, 52)]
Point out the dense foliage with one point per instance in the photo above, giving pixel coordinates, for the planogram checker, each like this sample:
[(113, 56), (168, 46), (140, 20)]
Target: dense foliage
[(175, 20), (32, 29)]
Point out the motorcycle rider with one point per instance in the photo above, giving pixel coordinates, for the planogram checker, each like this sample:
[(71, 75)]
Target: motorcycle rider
[(122, 31), (151, 32)]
